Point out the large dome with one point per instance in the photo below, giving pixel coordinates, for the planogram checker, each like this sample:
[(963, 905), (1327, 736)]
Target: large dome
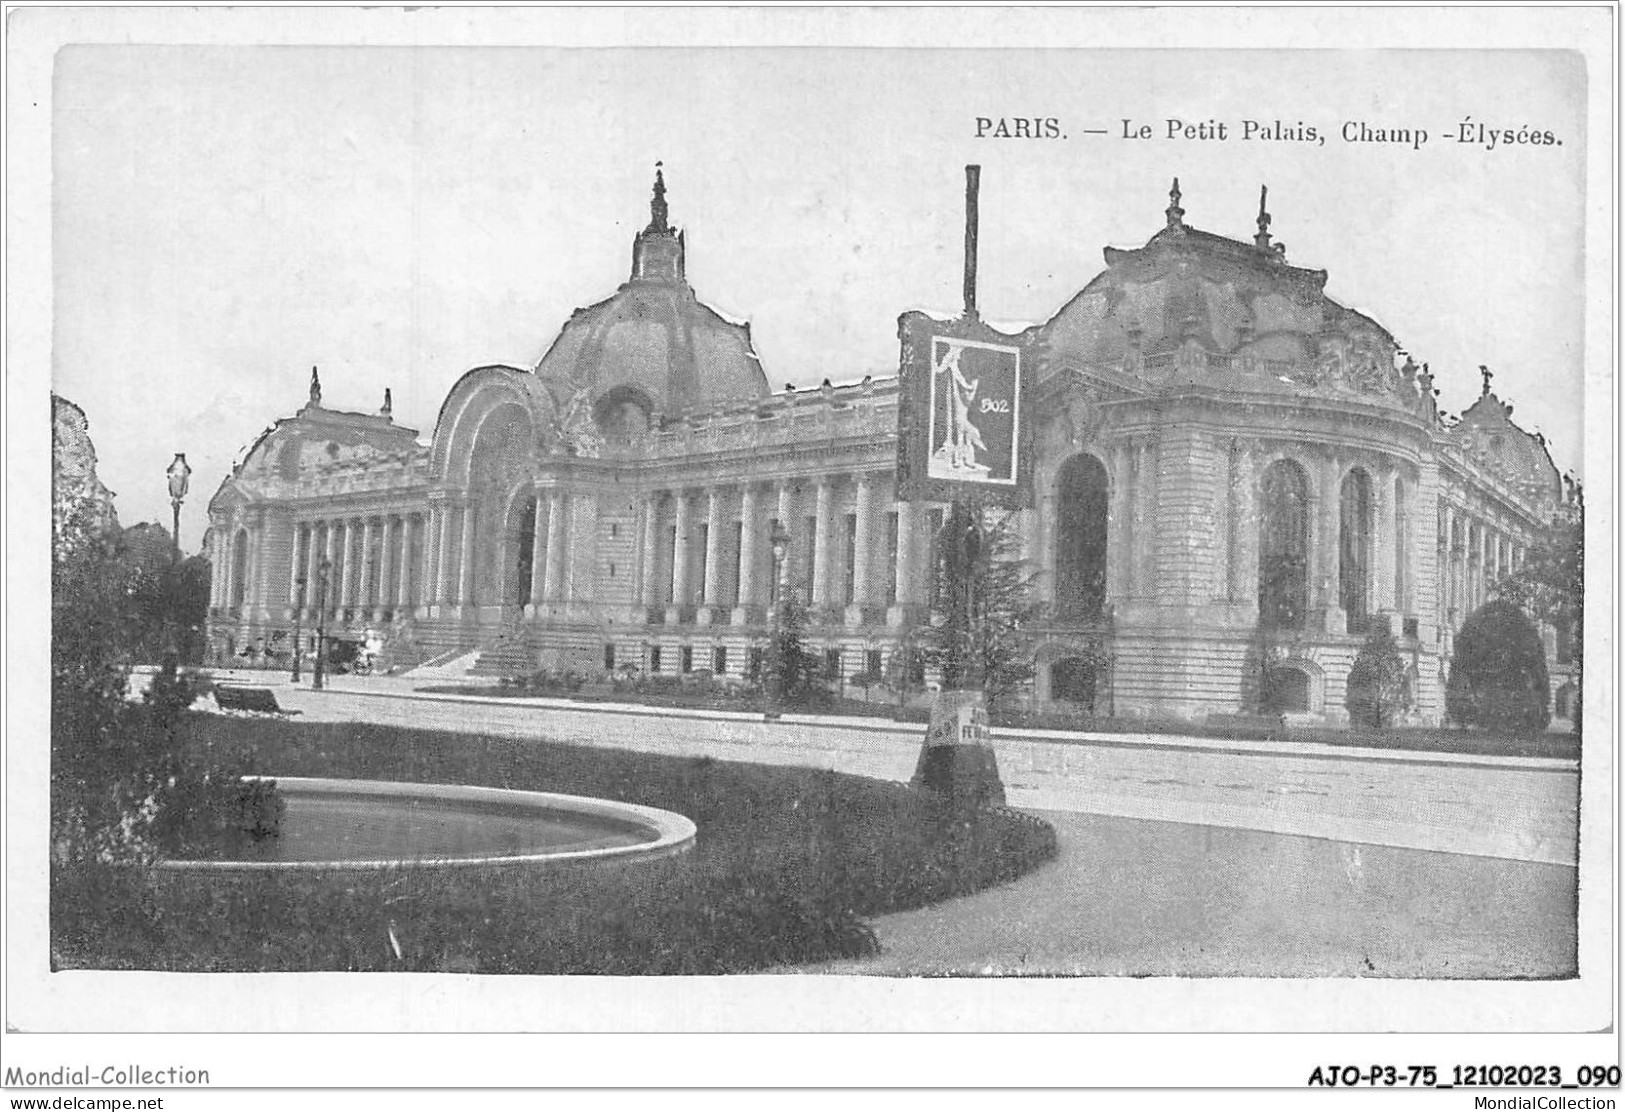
[(653, 346), (1191, 307)]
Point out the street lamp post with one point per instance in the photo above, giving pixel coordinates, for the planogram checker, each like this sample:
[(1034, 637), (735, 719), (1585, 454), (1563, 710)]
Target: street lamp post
[(179, 475), (773, 685), (298, 612), (316, 672)]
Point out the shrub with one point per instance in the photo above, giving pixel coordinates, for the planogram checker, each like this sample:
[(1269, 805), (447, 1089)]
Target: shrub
[(1498, 676), (1376, 683)]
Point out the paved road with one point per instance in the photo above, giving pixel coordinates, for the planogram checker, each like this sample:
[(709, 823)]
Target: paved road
[(1522, 809), (1132, 898)]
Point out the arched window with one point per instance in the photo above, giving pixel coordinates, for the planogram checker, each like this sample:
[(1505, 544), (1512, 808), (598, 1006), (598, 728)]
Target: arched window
[(1354, 550), (1080, 539), (1283, 580)]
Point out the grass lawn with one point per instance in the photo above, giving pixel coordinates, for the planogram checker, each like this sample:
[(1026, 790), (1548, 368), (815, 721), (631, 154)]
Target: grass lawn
[(789, 863)]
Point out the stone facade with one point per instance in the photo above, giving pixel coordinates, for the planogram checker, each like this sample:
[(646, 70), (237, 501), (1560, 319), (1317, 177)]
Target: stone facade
[(1228, 463)]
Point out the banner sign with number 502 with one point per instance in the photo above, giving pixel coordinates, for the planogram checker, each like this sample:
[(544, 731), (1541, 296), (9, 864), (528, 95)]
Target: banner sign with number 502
[(962, 432)]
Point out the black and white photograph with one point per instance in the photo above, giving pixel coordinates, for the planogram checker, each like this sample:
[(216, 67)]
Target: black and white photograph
[(747, 521)]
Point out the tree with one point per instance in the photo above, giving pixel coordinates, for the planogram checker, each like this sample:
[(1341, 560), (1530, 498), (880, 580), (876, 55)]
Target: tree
[(1550, 585), (1498, 675), (797, 670), (985, 601), (1376, 685), (122, 787), (170, 598)]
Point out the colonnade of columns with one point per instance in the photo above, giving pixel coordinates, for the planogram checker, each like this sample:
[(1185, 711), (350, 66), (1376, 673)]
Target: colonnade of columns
[(1474, 554), (707, 552), (363, 565)]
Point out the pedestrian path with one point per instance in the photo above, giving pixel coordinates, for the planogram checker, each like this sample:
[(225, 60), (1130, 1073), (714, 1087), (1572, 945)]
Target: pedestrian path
[(1516, 808), (1132, 898)]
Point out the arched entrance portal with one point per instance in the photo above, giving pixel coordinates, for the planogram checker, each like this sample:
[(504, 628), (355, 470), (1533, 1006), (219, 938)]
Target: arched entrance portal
[(499, 496)]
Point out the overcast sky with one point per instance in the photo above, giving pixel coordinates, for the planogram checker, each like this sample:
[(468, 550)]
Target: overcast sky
[(225, 217)]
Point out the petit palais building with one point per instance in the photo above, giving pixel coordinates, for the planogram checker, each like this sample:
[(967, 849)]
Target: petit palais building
[(1227, 462)]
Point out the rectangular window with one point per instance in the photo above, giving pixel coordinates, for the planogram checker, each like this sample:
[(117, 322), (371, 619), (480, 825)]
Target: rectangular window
[(609, 658), (832, 663), (719, 661), (654, 658), (685, 659), (1412, 627), (872, 663)]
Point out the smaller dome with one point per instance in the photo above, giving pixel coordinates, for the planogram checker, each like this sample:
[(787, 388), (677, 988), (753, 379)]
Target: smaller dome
[(653, 343)]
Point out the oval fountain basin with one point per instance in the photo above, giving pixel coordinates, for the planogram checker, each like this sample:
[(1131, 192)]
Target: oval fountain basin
[(378, 824)]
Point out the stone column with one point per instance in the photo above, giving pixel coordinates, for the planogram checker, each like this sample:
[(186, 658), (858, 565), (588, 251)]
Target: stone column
[(711, 583), (465, 558), (822, 544), (294, 569), (1119, 526), (1245, 578), (907, 555), (403, 593), (229, 567), (553, 569), (539, 545), (1044, 557), (787, 521), (325, 599), (386, 563), (1382, 547), (346, 569), (750, 531), (363, 572), (1328, 545), (1145, 529), (1453, 557), (863, 543), (212, 550), (431, 557), (441, 583), (682, 550), (651, 549), (313, 563)]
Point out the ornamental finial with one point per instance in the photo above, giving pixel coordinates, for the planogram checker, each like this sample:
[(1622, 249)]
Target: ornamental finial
[(1176, 215), (315, 387), (1488, 374), (389, 404), (657, 204), (1262, 239)]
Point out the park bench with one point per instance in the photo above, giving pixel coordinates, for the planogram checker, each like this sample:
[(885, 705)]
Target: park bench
[(259, 700)]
